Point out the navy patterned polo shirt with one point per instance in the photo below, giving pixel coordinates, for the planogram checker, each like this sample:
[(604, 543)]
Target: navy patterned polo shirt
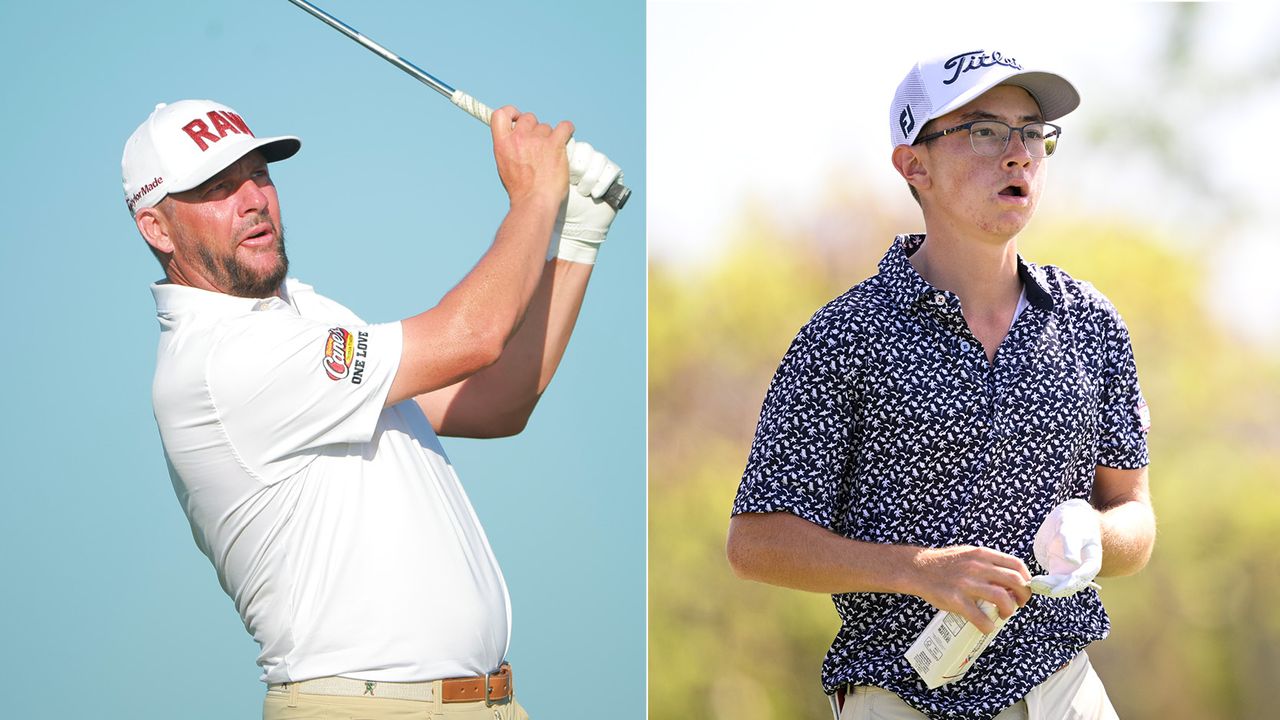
[(886, 423)]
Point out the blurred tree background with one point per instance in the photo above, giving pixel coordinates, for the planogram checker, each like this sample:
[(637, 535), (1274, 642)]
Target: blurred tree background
[(1195, 635)]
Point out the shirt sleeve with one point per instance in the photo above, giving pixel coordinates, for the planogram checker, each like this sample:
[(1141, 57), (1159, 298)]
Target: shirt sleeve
[(284, 386), (802, 445), (1122, 441)]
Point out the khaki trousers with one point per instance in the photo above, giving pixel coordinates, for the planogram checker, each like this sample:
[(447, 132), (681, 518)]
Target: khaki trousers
[(293, 705), (1073, 693)]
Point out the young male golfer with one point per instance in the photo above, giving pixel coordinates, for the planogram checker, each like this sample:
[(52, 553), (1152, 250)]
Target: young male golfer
[(958, 430)]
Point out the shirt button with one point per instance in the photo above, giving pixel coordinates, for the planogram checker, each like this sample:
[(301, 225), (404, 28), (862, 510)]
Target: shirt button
[(939, 299), (964, 346)]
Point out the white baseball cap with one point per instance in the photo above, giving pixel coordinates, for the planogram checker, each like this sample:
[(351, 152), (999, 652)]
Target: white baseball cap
[(939, 85), (181, 145)]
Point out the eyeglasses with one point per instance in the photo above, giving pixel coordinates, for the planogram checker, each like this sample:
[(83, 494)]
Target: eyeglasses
[(989, 138)]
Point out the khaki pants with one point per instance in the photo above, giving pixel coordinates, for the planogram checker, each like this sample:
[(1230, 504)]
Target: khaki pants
[(294, 705), (1073, 693)]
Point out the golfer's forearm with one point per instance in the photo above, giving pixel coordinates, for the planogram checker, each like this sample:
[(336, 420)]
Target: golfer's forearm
[(473, 323), (783, 549), (498, 400), (1128, 537), (531, 358), (499, 290)]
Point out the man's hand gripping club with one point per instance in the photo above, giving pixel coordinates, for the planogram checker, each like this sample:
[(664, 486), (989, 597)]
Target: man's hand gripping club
[(587, 217), (531, 158)]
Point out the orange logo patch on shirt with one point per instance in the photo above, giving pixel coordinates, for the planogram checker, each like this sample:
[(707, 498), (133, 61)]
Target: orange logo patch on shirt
[(339, 349)]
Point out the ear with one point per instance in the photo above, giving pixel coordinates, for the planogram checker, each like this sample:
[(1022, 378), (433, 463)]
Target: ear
[(908, 160), (154, 227)]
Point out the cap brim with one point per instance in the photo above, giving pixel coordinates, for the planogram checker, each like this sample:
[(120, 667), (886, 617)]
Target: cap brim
[(1053, 93), (280, 148), (272, 148)]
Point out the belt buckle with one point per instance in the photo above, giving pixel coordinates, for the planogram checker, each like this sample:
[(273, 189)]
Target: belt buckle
[(488, 690)]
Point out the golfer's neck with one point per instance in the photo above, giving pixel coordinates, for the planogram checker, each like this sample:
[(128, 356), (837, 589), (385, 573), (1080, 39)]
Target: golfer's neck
[(984, 275)]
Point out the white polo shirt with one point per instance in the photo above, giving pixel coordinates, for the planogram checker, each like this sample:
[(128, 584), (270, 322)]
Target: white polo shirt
[(338, 527)]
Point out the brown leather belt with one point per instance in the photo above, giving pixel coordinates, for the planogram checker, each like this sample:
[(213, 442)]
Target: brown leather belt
[(493, 688)]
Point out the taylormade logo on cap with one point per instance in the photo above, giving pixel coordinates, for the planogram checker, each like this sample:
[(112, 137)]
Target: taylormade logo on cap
[(183, 144), (939, 85)]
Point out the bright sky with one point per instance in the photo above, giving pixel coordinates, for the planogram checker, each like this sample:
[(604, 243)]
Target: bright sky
[(774, 100)]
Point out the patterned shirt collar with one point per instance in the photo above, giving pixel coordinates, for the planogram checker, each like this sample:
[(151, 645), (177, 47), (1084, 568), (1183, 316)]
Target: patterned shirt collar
[(907, 287)]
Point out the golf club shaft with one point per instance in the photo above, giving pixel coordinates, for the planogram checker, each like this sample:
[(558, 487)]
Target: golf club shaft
[(421, 75), (617, 194)]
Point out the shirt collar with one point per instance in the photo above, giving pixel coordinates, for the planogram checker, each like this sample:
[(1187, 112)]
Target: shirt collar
[(172, 298), (902, 281), (907, 287), (1036, 285)]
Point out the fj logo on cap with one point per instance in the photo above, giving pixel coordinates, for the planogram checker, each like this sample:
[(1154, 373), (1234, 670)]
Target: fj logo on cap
[(976, 60), (223, 123), (907, 121)]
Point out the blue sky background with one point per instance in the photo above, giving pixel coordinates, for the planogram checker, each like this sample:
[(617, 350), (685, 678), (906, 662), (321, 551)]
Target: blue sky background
[(109, 610)]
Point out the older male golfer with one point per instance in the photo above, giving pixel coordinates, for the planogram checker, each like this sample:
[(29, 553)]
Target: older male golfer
[(302, 440)]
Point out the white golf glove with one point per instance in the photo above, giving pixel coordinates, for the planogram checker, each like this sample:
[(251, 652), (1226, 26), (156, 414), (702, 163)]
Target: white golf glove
[(586, 218), (1069, 547)]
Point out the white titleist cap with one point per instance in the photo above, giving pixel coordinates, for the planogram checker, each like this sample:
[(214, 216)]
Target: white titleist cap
[(939, 85), (181, 145)]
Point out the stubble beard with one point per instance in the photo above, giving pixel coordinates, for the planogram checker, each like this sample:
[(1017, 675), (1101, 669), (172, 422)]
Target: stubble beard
[(242, 281)]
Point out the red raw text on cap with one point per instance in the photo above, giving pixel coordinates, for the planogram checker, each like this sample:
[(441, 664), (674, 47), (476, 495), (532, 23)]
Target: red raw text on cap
[(223, 122)]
